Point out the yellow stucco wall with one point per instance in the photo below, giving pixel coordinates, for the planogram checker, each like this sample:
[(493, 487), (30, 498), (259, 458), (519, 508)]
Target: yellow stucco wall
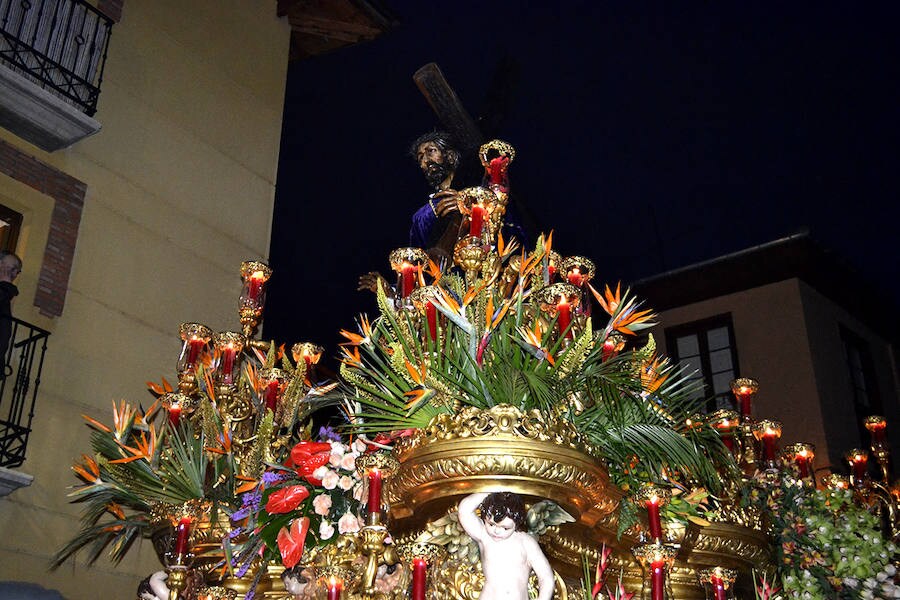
[(180, 189)]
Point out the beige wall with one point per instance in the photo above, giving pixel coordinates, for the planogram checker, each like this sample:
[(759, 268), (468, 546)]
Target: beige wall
[(770, 332), (180, 189)]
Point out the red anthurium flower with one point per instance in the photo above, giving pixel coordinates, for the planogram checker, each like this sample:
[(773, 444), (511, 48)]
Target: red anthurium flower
[(286, 499), (290, 541), (309, 456)]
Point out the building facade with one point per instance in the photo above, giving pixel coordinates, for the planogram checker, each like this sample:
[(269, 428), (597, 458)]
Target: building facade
[(789, 314), (134, 218)]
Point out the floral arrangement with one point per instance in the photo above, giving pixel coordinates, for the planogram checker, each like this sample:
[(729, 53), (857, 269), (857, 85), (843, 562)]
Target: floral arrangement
[(304, 502), (826, 545)]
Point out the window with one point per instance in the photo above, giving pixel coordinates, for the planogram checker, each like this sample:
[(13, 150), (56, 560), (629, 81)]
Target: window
[(858, 357), (707, 348), (10, 223)]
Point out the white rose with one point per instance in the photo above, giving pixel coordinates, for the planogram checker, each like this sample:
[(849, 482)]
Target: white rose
[(346, 483), (322, 504), (326, 530), (348, 523), (338, 448), (330, 480), (320, 472), (335, 460), (359, 445)]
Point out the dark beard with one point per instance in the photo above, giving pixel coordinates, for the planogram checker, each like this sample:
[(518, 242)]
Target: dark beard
[(435, 173)]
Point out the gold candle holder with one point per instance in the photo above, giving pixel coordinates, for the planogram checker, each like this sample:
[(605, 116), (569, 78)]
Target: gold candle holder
[(725, 422), (480, 205), (194, 339), (652, 497), (178, 405), (718, 582), (309, 355), (877, 425), (801, 456), (744, 388), (228, 347), (656, 560), (254, 274), (558, 301), (496, 156), (419, 556), (767, 432), (858, 461), (375, 467), (273, 382), (406, 263)]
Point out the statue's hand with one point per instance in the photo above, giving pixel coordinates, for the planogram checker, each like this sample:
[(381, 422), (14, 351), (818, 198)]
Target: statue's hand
[(369, 282), (444, 203)]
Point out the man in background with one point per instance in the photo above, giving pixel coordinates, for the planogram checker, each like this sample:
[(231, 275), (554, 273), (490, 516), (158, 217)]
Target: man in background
[(10, 267)]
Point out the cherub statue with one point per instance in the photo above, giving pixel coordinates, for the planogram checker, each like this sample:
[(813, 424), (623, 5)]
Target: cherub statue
[(508, 553), (154, 587)]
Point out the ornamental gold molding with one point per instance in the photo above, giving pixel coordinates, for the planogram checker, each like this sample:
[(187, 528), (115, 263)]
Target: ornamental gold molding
[(725, 545), (498, 449)]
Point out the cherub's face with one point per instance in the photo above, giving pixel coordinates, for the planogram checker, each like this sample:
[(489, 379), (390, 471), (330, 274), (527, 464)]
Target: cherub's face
[(500, 530)]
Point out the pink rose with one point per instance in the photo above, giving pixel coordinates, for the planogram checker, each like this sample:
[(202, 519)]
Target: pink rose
[(348, 523), (330, 481), (320, 472), (348, 462), (326, 530), (322, 504), (346, 483), (359, 446)]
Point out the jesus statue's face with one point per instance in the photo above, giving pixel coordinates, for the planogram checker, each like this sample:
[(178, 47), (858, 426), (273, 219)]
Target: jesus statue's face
[(500, 530)]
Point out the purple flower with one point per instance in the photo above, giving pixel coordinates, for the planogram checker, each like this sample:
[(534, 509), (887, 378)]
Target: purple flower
[(244, 568), (328, 434), (270, 477)]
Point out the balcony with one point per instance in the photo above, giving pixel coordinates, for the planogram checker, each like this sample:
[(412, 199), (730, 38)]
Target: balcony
[(52, 54), (19, 383)]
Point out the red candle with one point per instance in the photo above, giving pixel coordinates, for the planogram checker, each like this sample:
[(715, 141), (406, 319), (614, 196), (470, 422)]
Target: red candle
[(802, 460), (255, 286), (195, 345), (718, 586), (183, 533), (768, 440), (418, 582), (335, 586), (174, 414), (228, 365), (407, 279), (728, 440), (476, 220), (575, 277), (496, 169), (860, 464), (272, 395), (657, 579), (564, 310), (653, 518), (745, 395), (877, 430), (374, 502), (551, 270), (431, 317)]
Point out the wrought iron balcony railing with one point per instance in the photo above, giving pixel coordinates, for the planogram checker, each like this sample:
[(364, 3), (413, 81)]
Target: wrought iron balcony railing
[(21, 377), (59, 45)]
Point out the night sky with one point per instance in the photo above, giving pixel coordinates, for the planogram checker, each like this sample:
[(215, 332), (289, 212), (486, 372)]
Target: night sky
[(648, 138)]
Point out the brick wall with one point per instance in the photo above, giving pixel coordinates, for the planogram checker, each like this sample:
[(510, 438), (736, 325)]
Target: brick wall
[(68, 195)]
